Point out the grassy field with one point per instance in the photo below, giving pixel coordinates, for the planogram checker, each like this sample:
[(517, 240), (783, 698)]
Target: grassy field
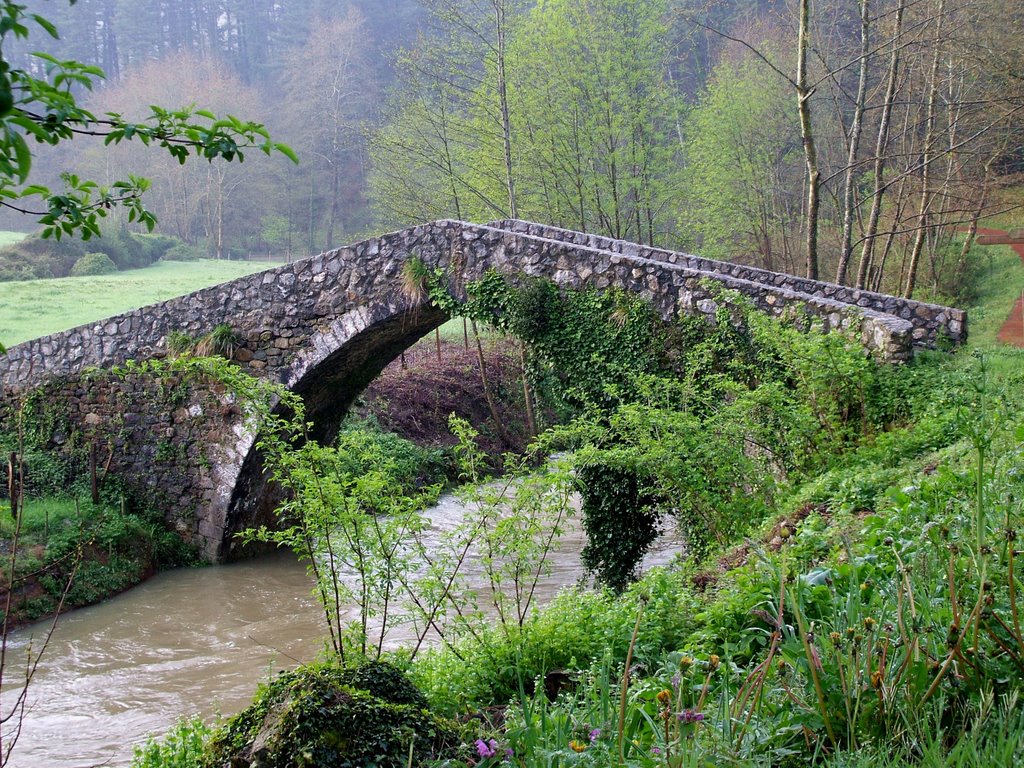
[(38, 307), (7, 237)]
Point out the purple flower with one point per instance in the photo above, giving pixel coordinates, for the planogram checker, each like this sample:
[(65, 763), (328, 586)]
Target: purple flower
[(676, 680), (656, 750), (594, 735), (690, 716), (486, 748)]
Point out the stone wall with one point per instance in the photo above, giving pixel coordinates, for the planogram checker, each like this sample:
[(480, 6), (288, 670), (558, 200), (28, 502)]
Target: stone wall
[(174, 445), (933, 323)]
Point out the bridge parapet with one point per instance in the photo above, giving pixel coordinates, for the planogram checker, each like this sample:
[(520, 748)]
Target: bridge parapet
[(932, 323)]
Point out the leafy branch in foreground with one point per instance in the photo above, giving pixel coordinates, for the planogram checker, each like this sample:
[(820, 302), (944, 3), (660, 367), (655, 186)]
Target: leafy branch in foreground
[(46, 109)]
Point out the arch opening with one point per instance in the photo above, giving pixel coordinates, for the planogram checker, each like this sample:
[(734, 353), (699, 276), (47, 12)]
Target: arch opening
[(328, 382)]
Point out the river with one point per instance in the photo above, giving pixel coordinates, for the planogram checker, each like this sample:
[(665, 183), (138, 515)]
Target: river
[(190, 641)]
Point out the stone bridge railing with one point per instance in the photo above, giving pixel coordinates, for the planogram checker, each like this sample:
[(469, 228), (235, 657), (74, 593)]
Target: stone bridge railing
[(278, 311), (932, 323)]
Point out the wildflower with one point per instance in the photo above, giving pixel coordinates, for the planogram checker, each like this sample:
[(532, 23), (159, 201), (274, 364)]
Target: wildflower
[(577, 746), (676, 680), (487, 748), (664, 697), (713, 662), (690, 716), (685, 663), (655, 750), (876, 679), (594, 735), (836, 638), (869, 623)]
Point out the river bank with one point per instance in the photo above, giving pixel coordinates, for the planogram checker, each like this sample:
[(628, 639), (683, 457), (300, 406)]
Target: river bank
[(195, 642)]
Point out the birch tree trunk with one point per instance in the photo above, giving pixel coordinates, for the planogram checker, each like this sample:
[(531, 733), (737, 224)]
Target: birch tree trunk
[(804, 93), (881, 142), (926, 161), (854, 143)]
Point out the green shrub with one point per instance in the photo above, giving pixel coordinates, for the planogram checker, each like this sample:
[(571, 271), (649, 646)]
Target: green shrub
[(155, 246), (34, 258), (182, 747), (123, 248), (184, 252), (93, 264)]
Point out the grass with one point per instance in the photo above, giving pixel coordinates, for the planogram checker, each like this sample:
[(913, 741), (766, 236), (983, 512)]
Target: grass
[(8, 238), (36, 308)]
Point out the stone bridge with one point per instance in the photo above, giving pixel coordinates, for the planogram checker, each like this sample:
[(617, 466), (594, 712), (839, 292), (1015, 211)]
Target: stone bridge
[(327, 325)]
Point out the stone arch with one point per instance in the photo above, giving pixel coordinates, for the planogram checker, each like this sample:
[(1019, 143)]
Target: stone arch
[(339, 362)]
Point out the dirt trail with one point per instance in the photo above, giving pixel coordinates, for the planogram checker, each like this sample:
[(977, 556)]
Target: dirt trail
[(1012, 331)]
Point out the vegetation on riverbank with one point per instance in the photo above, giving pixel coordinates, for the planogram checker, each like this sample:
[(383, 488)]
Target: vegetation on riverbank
[(75, 553), (858, 603), (70, 535)]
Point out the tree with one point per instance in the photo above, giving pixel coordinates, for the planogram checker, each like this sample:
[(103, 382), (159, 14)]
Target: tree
[(593, 112), (743, 174), (330, 90), (217, 202), (45, 108)]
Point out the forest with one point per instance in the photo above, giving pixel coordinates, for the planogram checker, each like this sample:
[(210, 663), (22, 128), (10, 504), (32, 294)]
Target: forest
[(849, 141)]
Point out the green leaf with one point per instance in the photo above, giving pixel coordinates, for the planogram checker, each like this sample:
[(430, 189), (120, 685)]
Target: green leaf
[(23, 155), (288, 152), (46, 24)]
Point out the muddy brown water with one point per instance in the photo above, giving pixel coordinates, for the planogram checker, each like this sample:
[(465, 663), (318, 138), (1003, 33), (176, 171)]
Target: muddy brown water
[(194, 641)]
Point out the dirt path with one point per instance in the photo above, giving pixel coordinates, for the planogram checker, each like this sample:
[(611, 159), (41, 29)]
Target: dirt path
[(1012, 331)]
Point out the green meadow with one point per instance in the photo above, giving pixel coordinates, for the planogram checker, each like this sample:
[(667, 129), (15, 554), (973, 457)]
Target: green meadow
[(7, 237), (36, 308)]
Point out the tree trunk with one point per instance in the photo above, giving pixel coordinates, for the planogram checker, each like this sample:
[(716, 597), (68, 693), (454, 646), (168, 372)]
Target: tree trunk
[(531, 422), (803, 94), (926, 176), (881, 143), (854, 143), (506, 121), (499, 424)]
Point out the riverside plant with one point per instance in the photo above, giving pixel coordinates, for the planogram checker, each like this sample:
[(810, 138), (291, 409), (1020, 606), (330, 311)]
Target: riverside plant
[(353, 515), (901, 647)]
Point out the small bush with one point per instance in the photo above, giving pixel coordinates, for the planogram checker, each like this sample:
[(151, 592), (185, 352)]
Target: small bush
[(34, 258), (183, 252), (93, 264), (123, 248), (156, 246), (182, 747)]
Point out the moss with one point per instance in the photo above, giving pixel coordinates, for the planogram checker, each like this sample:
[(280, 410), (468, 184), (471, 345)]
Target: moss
[(334, 717)]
